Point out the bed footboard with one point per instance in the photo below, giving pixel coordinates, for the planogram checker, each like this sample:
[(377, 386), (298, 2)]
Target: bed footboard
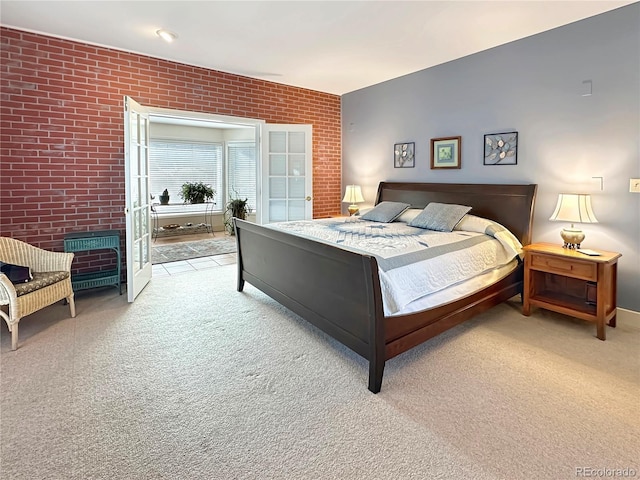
[(336, 290), (339, 291)]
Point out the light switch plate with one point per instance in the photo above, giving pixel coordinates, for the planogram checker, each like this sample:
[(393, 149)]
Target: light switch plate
[(634, 185)]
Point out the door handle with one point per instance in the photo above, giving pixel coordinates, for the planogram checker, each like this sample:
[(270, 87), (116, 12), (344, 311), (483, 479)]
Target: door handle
[(308, 198)]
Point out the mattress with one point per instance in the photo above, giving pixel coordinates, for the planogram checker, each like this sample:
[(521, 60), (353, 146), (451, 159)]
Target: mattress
[(416, 263)]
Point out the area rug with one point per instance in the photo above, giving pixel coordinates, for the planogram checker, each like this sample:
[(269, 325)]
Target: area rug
[(186, 250)]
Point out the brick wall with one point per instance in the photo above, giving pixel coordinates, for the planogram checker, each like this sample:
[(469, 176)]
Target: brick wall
[(62, 144)]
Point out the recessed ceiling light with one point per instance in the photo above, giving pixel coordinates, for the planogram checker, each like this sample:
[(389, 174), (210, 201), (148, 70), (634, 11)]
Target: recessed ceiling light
[(166, 35)]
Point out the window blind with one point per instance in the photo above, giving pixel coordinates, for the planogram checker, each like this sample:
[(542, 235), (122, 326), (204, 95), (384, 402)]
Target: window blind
[(173, 163), (242, 172)]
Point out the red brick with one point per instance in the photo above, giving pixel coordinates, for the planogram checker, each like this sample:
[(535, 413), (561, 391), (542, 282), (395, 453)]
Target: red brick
[(62, 130)]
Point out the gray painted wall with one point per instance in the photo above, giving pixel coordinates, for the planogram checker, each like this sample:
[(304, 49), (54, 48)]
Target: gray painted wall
[(533, 86)]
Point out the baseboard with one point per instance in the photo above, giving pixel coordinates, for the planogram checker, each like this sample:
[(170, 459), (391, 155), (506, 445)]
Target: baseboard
[(624, 315)]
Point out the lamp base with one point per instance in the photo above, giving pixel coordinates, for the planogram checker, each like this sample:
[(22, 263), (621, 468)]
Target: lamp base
[(572, 237), (353, 210)]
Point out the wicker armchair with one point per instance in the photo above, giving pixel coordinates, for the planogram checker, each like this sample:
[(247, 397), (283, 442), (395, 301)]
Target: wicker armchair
[(51, 282)]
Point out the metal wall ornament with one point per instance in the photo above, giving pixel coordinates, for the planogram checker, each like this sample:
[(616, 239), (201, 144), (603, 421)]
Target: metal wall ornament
[(404, 155), (501, 148)]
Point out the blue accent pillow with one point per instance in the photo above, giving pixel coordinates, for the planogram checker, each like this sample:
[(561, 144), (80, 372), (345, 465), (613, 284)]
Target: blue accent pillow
[(16, 273), (385, 212), (442, 217)]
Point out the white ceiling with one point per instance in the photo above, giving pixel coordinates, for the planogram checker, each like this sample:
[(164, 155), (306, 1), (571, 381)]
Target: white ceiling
[(330, 46)]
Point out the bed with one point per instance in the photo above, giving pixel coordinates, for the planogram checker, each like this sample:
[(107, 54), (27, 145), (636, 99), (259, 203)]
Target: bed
[(339, 290)]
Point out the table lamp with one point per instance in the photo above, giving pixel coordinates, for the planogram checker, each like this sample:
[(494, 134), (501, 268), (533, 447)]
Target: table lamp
[(353, 195), (574, 208)]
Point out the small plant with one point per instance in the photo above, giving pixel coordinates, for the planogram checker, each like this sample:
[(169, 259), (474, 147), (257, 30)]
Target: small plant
[(164, 198), (196, 192), (236, 207)]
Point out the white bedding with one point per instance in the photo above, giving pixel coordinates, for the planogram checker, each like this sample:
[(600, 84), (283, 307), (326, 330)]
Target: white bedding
[(459, 290), (414, 262)]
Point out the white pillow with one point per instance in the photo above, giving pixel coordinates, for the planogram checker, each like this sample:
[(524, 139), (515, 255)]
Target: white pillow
[(408, 215), (471, 223)]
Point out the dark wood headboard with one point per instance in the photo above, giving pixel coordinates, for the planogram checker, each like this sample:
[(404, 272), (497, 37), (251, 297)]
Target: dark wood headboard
[(509, 205)]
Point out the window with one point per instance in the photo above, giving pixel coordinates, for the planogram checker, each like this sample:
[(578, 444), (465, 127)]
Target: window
[(242, 172), (173, 163)]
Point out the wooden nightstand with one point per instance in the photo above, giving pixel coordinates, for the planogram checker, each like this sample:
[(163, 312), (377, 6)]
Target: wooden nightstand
[(571, 283)]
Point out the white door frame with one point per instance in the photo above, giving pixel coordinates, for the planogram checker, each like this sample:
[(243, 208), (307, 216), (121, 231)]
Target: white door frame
[(137, 198), (184, 117), (264, 174)]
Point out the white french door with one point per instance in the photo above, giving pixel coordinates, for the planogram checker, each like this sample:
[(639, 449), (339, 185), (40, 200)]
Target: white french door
[(286, 173), (137, 198)]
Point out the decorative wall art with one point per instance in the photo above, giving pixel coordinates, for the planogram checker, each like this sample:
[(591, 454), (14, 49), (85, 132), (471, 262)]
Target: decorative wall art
[(445, 152), (404, 155), (501, 148)]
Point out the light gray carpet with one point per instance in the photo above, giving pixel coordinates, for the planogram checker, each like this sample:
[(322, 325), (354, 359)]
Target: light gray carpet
[(173, 252), (197, 381)]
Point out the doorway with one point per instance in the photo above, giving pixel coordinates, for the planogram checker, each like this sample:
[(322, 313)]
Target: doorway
[(292, 197)]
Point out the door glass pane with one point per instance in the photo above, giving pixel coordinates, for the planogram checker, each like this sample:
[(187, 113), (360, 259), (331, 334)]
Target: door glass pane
[(145, 251), (143, 160), (136, 224), (277, 142), (296, 165), (144, 194), (296, 187), (135, 191), (143, 130), (277, 210), (277, 164), (277, 187), (144, 224), (296, 142), (296, 210), (136, 256), (133, 163), (134, 128)]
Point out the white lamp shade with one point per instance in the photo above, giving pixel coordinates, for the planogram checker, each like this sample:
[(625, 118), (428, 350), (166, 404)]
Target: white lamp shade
[(574, 207), (353, 194)]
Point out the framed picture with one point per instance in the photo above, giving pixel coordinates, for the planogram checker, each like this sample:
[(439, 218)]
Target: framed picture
[(404, 155), (501, 148), (445, 152)]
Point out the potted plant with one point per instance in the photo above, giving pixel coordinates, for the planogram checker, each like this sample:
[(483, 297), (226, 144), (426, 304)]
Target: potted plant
[(236, 207), (164, 198), (196, 192)]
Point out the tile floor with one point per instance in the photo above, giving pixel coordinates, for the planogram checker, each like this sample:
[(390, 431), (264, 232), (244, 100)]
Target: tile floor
[(183, 266)]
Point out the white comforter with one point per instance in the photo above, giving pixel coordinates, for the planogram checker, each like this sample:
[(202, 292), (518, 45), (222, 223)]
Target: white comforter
[(414, 262)]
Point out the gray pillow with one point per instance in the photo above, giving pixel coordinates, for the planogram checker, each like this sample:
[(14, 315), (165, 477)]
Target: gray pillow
[(441, 217), (385, 212)]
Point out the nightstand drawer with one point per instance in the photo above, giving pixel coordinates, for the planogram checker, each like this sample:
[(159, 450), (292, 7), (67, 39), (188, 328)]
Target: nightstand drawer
[(561, 266)]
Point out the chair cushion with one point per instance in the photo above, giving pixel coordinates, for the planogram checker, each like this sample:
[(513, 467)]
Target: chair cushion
[(40, 280)]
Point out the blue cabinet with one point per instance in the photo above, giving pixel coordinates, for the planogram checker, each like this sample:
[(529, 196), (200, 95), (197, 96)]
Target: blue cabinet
[(96, 240)]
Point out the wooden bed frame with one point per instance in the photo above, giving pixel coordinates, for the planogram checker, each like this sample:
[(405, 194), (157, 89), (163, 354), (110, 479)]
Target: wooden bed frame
[(338, 291)]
